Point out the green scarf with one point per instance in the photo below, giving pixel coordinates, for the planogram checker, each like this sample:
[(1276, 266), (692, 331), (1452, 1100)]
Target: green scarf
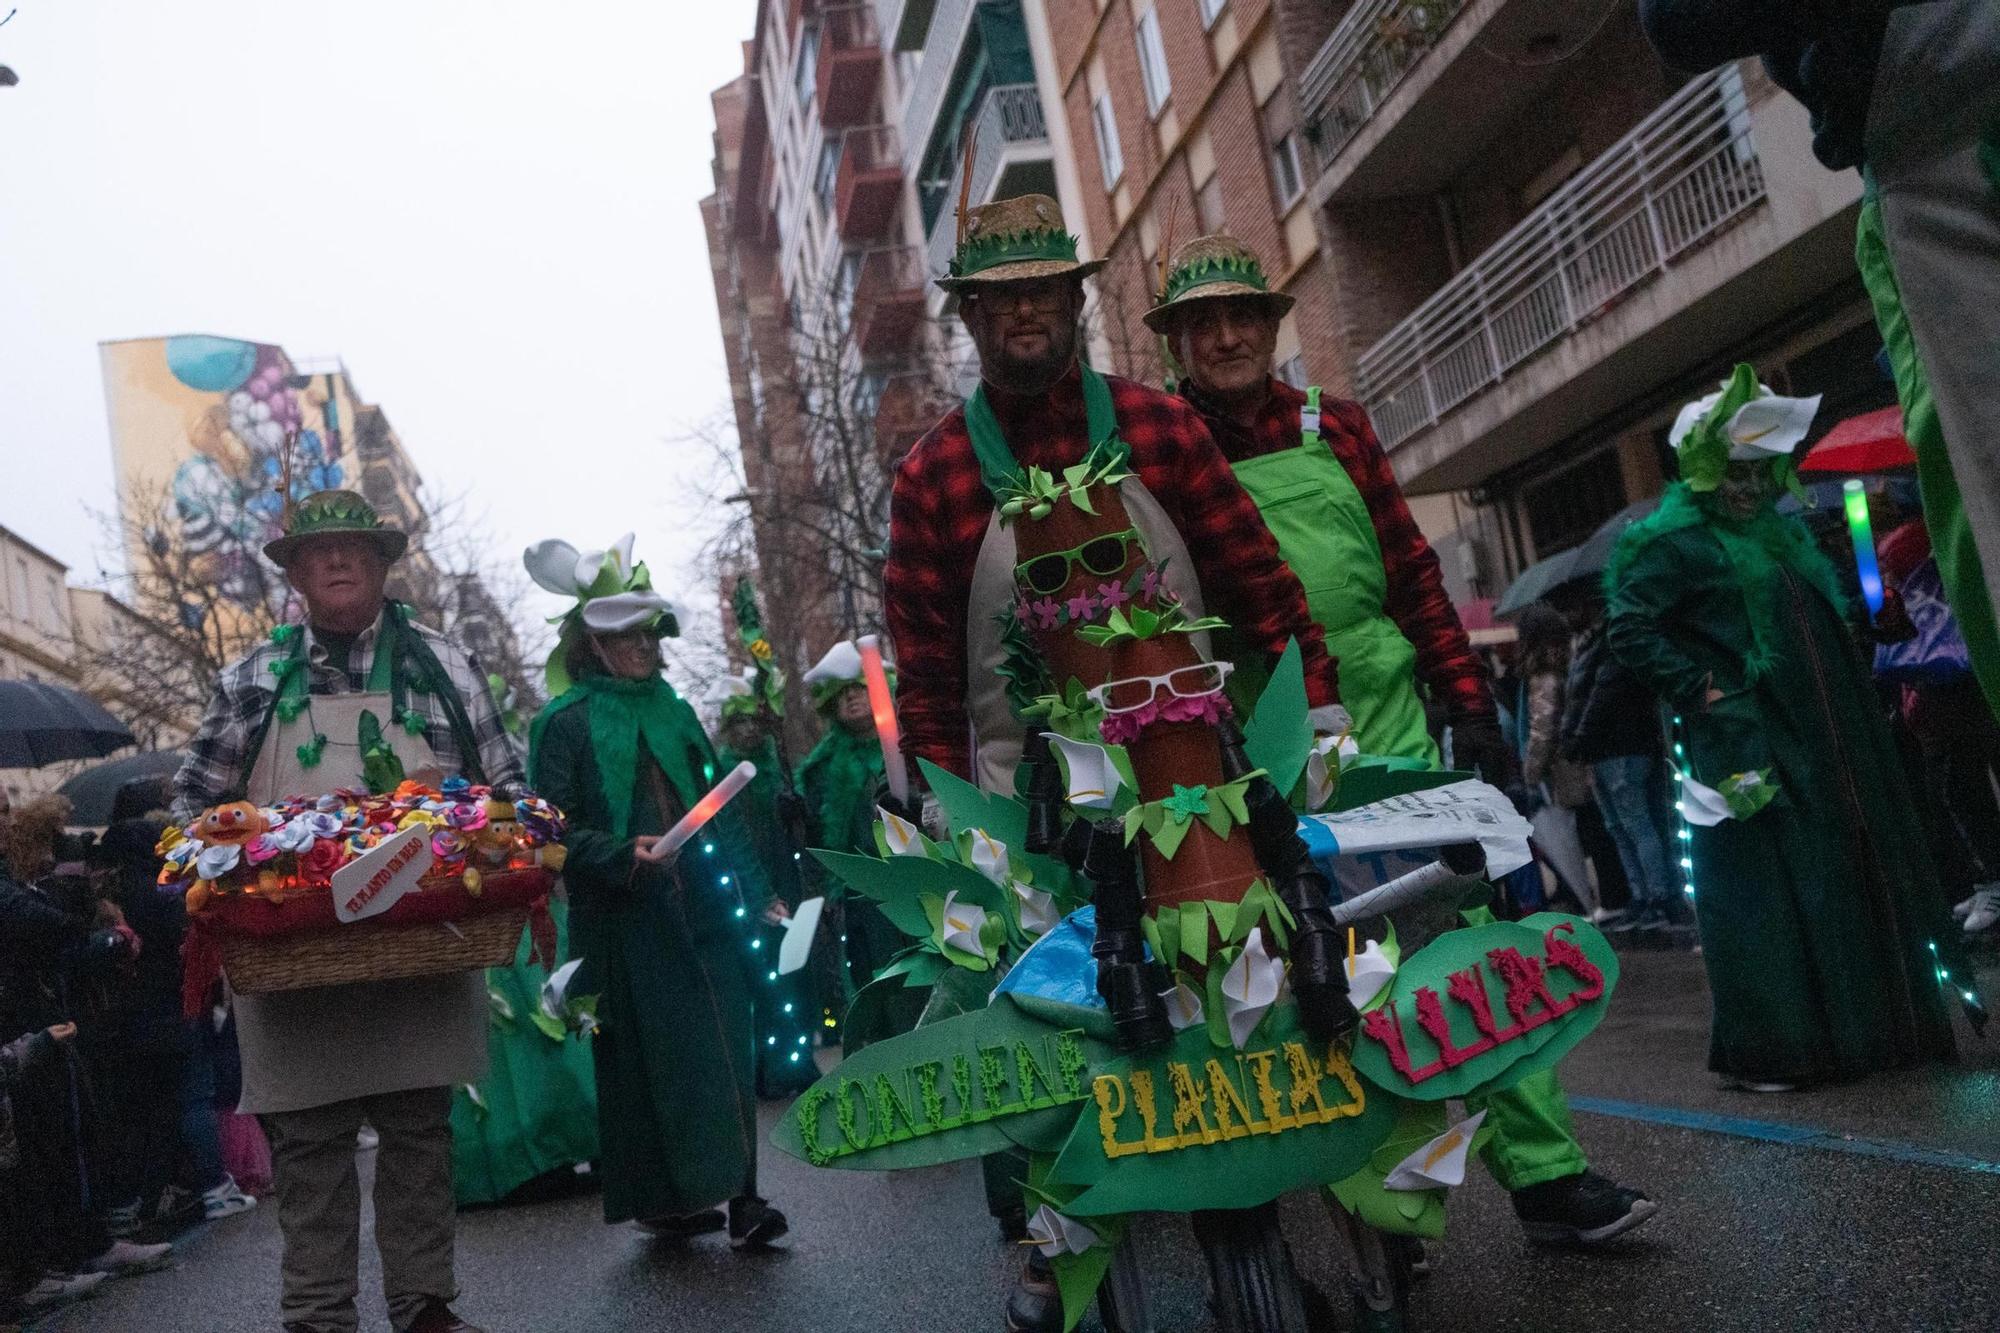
[(853, 762), (1756, 550), (621, 713)]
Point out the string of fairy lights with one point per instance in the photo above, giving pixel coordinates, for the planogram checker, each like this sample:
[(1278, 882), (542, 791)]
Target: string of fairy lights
[(782, 1028)]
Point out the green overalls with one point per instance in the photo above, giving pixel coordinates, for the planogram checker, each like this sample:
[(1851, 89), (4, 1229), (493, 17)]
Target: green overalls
[(1325, 534)]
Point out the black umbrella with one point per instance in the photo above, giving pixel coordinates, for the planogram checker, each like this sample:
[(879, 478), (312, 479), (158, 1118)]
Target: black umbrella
[(1594, 556), (41, 723), (1536, 582), (138, 782)]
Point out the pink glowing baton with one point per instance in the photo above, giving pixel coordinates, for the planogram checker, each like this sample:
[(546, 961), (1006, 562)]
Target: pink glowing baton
[(704, 810), (884, 708)]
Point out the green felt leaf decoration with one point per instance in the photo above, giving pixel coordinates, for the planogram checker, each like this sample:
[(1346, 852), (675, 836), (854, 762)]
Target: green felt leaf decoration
[(1278, 737), (380, 768), (552, 1028), (1748, 793), (1194, 932)]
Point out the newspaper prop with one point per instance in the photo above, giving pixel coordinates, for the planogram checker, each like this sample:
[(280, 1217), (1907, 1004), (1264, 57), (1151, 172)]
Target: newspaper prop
[(1372, 844)]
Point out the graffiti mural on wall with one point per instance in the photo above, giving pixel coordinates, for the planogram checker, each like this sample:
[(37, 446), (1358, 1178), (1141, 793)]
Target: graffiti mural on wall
[(211, 435)]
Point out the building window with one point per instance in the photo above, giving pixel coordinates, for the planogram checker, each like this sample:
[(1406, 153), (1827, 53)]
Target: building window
[(805, 69), (827, 171), (1109, 155), (1208, 208), (1153, 62), (1293, 371), (1211, 10), (1286, 175)]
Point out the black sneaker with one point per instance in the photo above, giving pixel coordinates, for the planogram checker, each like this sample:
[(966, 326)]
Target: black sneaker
[(753, 1223), (1035, 1304), (1580, 1210), (679, 1226)]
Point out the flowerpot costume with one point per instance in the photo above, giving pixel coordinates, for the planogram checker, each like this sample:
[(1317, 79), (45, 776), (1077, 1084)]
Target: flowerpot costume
[(293, 717), (788, 1011), (1327, 492), (1821, 916), (662, 946), (1134, 971)]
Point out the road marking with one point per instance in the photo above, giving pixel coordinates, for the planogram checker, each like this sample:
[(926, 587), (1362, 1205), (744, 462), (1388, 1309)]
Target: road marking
[(1793, 1136)]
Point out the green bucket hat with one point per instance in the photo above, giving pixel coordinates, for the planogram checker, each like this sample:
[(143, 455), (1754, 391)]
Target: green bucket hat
[(1014, 240), (1208, 268), (329, 514)]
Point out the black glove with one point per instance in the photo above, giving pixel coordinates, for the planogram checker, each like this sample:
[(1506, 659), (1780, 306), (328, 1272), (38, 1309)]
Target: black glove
[(1478, 746)]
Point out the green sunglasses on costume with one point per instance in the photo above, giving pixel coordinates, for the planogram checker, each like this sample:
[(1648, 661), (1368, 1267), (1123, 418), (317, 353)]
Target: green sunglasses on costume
[(1102, 556)]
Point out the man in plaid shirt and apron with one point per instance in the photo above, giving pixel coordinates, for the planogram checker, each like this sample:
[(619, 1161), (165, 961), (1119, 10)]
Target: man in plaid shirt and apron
[(318, 1064)]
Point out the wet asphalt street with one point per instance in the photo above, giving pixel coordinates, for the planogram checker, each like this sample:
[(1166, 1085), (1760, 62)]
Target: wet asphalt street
[(1869, 1207)]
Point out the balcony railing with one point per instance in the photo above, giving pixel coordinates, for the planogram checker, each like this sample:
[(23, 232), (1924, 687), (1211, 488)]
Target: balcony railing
[(869, 181), (888, 298), (947, 32), (1681, 177), (1008, 117), (850, 63), (1376, 43)]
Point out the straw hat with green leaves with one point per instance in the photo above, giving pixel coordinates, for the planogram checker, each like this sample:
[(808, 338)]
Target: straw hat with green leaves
[(1013, 240), (1210, 268), (332, 514)]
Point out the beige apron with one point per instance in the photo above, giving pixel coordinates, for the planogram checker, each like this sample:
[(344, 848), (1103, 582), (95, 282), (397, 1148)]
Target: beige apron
[(997, 735), (307, 1048)]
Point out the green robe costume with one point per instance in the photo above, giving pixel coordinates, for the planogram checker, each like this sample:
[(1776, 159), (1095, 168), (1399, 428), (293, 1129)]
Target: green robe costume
[(787, 1009), (663, 948), (536, 1109), (1820, 913)]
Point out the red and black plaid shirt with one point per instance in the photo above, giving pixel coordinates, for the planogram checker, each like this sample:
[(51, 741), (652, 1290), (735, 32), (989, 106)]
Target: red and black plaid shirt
[(1416, 598), (938, 518)]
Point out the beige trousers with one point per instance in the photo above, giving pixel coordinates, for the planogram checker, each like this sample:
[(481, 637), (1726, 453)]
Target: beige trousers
[(319, 1206)]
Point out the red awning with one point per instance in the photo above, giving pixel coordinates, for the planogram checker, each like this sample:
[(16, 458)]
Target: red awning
[(1871, 442)]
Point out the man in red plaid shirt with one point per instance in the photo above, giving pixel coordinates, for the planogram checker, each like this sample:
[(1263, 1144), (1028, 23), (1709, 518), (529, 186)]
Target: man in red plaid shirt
[(1022, 313), (1326, 488)]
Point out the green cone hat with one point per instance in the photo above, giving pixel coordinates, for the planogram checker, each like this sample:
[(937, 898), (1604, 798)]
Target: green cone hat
[(333, 513)]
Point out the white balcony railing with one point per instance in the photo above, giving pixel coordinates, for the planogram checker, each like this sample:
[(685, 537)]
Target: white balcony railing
[(1682, 176), (1375, 44), (941, 46), (1008, 117)]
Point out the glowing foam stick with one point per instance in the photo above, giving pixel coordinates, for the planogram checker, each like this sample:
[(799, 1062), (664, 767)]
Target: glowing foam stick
[(884, 707), (1864, 545), (704, 810)]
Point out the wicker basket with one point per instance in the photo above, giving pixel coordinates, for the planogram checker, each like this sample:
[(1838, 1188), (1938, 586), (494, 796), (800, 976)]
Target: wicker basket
[(371, 951)]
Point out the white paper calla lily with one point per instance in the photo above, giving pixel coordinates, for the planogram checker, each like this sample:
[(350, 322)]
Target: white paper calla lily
[(1702, 805), (1094, 781), (552, 565), (1323, 766), (1249, 988), (1053, 1234), (1439, 1163), (989, 856), (1367, 973), (962, 924), (903, 837), (1184, 1007), (1038, 909)]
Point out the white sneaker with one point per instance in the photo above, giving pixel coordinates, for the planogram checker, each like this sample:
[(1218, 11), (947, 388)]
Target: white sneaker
[(55, 1288), (225, 1200), (124, 1259), (1984, 910), (367, 1140)]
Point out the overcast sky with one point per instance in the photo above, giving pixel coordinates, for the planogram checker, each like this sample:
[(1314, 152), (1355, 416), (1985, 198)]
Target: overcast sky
[(487, 208)]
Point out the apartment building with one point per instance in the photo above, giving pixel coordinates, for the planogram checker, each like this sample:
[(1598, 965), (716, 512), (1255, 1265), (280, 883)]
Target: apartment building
[(1185, 123), (842, 153), (1539, 242)]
